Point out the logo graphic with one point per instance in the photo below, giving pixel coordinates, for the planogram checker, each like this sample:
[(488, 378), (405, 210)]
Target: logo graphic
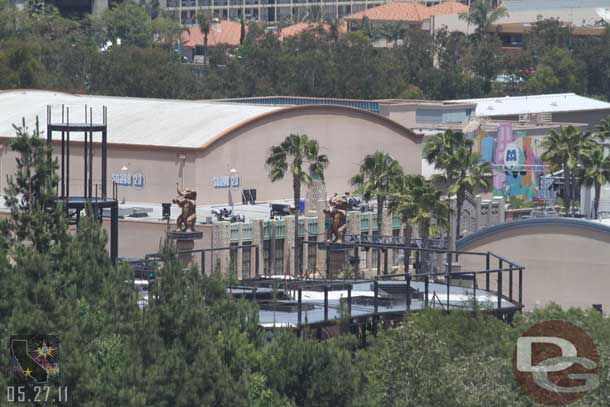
[(556, 363), (34, 358)]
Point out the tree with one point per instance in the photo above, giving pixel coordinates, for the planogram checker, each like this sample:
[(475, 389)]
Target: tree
[(417, 202), (469, 174), (242, 31), (377, 173), (563, 152), (128, 22), (557, 72), (595, 171), (451, 153), (205, 24), (299, 155), (481, 14)]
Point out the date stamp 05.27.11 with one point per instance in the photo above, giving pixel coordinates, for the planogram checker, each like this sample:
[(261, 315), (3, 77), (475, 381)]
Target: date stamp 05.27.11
[(34, 371)]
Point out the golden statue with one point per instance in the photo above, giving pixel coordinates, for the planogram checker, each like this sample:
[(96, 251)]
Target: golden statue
[(338, 216), (186, 201)]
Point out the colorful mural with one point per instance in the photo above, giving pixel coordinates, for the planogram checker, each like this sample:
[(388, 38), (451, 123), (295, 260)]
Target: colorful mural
[(513, 156)]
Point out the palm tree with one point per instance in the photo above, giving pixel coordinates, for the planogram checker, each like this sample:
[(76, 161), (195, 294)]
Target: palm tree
[(563, 151), (595, 171), (442, 151), (204, 25), (603, 132), (377, 173), (481, 14), (294, 154), (441, 148), (417, 202), (469, 174)]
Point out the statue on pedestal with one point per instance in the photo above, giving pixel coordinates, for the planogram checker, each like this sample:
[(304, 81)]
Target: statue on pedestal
[(338, 216), (186, 201)]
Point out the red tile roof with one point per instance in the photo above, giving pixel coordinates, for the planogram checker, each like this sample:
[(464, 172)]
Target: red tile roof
[(221, 33), (448, 7), (399, 11), (295, 29)]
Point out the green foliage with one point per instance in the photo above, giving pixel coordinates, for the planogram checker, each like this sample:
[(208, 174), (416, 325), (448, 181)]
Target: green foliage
[(376, 176), (128, 22), (557, 71)]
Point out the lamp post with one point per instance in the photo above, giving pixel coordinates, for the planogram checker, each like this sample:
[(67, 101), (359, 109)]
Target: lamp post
[(232, 175)]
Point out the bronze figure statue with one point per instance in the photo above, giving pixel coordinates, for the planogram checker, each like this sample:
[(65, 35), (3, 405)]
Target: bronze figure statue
[(186, 201), (338, 216)]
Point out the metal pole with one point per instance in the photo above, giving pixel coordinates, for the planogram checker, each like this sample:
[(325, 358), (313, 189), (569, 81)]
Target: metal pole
[(104, 163), (521, 285), (68, 154), (487, 265), (85, 166), (300, 304), (325, 303), (510, 282), (327, 263), (376, 293), (448, 276), (114, 232), (203, 263), (385, 261), (474, 285), (408, 293), (499, 290), (426, 282), (349, 301)]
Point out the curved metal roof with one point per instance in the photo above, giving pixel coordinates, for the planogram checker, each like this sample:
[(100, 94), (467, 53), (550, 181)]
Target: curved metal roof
[(528, 223), (138, 121)]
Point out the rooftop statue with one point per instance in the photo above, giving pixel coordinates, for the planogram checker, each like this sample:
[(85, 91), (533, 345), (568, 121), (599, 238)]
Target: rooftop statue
[(186, 201), (338, 216)]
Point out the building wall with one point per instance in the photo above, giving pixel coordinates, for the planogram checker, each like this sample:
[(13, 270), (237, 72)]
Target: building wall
[(161, 169), (566, 261), (591, 118), (345, 135)]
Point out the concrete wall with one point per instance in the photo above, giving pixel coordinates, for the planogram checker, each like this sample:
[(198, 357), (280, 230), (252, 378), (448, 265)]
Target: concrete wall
[(567, 261), (345, 135), (161, 170)]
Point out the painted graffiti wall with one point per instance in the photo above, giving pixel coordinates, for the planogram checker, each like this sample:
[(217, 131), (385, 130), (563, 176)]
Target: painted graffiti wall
[(514, 156)]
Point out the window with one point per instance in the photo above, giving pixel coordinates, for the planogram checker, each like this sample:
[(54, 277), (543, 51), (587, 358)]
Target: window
[(278, 261), (311, 254), (441, 116), (246, 260), (267, 256)]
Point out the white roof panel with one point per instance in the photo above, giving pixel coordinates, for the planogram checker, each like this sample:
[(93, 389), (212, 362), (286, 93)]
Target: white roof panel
[(156, 122), (515, 105)]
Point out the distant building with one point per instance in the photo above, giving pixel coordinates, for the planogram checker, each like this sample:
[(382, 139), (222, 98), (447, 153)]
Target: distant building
[(408, 15)]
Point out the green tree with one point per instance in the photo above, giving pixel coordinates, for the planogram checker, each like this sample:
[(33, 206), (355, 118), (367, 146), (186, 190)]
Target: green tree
[(417, 202), (595, 171), (128, 22), (557, 72), (481, 14), (563, 150), (451, 153), (377, 173), (205, 24), (469, 174), (299, 156)]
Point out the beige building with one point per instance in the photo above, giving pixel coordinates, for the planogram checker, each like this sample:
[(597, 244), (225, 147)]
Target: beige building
[(154, 144)]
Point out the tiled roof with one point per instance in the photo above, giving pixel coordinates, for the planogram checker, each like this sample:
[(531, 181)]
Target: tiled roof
[(221, 33), (448, 7), (295, 29), (399, 11)]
